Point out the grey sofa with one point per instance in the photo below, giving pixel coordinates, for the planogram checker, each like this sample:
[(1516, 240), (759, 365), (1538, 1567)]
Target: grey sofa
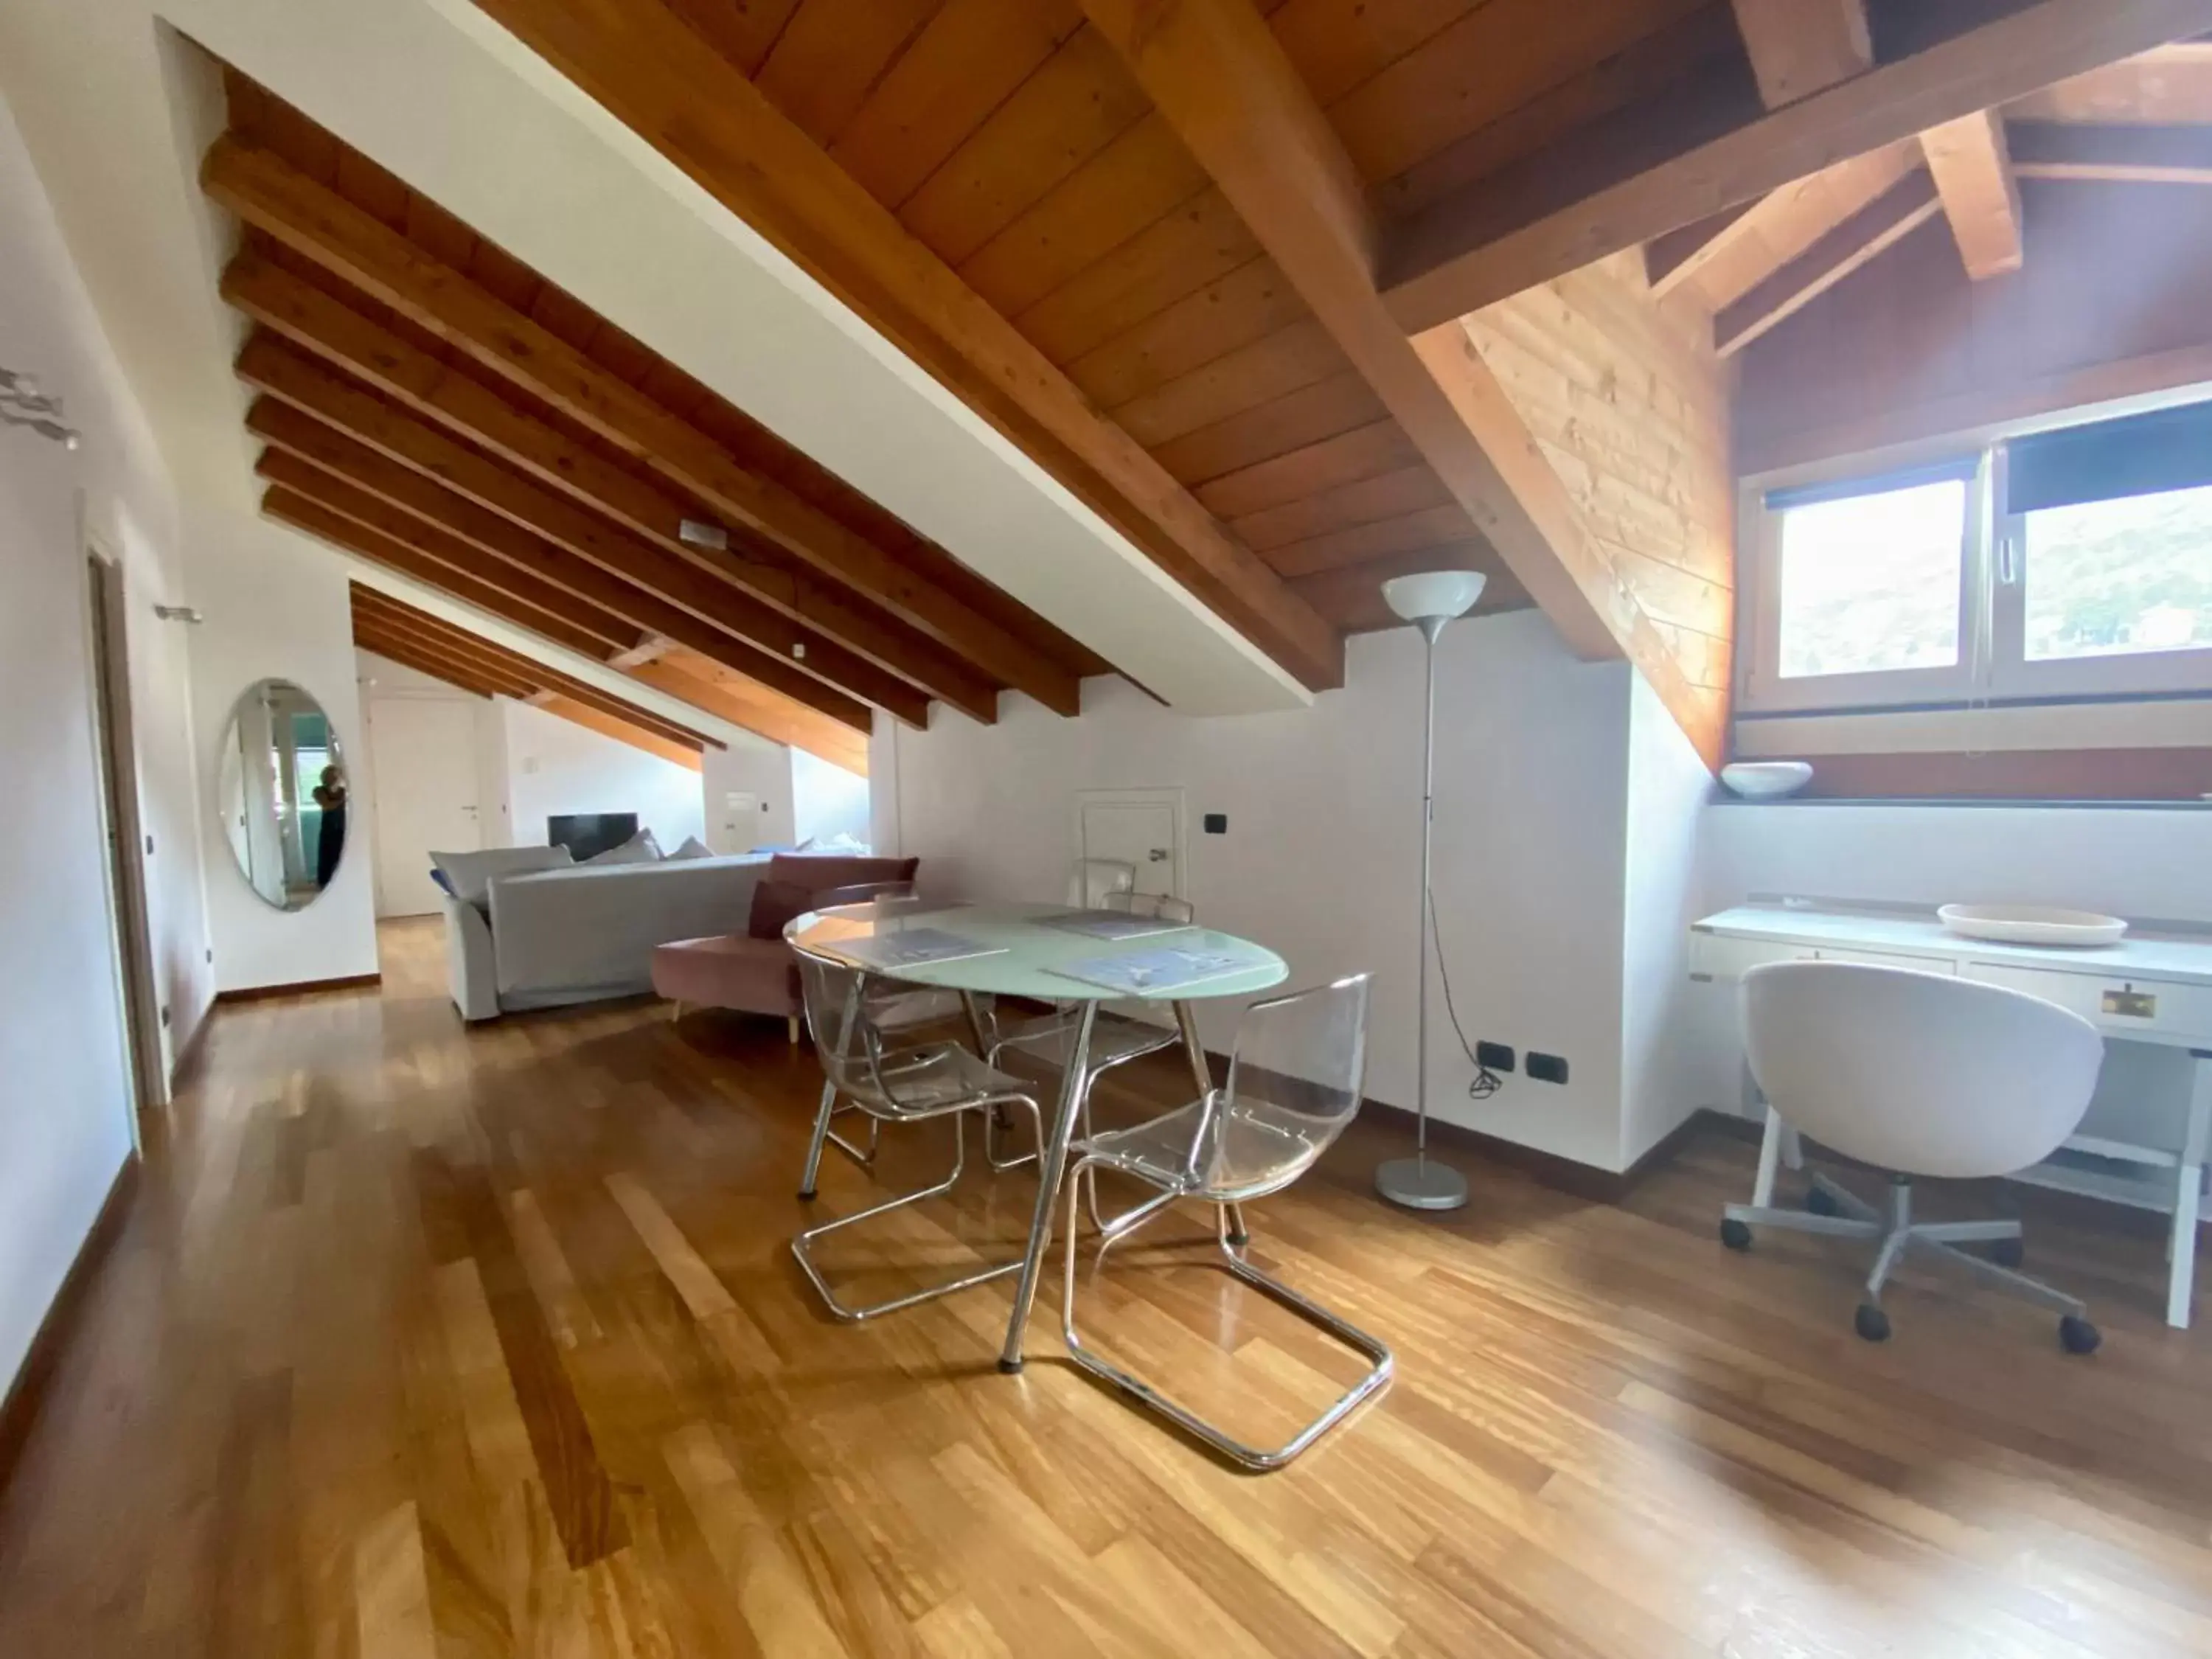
[(584, 933)]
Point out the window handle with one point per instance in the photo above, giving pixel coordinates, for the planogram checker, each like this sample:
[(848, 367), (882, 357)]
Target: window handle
[(2008, 559)]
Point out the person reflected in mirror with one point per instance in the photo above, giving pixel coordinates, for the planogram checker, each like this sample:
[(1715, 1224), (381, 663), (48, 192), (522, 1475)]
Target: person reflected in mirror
[(330, 796)]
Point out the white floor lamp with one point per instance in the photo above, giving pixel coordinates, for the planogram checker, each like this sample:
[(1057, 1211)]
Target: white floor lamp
[(1428, 601)]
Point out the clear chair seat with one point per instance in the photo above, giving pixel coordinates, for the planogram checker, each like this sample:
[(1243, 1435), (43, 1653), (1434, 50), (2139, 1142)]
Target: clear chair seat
[(1114, 1038), (1228, 1158), (921, 1082)]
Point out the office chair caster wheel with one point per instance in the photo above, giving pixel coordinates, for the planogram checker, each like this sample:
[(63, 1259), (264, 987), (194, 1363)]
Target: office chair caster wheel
[(1818, 1200), (2010, 1253), (1735, 1235), (1871, 1322), (2077, 1335)]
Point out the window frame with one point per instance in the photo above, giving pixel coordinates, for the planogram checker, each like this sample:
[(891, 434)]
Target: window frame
[(1992, 666), (1764, 690)]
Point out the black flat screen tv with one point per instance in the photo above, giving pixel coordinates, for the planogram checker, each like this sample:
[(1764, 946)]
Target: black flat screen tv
[(586, 834)]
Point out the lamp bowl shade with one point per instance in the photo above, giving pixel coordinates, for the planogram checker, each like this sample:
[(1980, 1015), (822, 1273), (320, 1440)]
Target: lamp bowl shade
[(1434, 593)]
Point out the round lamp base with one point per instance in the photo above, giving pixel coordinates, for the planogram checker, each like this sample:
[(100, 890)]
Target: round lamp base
[(1421, 1183)]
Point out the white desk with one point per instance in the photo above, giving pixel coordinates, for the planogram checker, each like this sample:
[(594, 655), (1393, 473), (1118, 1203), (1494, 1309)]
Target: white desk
[(2151, 988)]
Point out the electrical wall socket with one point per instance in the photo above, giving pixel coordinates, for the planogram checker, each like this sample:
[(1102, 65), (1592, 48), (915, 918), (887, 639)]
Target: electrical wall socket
[(1494, 1056), (1546, 1068)]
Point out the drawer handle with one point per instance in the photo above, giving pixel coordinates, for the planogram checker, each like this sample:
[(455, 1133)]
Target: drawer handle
[(2131, 1004)]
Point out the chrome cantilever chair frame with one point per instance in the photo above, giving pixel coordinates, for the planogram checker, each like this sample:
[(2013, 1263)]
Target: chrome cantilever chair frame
[(869, 893), (875, 1090), (1194, 1180)]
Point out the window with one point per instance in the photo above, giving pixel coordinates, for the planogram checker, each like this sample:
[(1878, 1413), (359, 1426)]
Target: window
[(2071, 564)]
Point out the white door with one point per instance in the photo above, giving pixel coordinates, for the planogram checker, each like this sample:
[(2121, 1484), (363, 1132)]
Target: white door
[(424, 755), (1143, 829)]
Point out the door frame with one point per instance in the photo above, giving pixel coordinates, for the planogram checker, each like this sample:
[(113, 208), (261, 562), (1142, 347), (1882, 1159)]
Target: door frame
[(364, 766), (1170, 796), (123, 825)]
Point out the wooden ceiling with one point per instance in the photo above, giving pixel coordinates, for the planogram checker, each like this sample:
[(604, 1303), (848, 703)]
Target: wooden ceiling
[(2146, 119), (1206, 260), (431, 405), (412, 637)]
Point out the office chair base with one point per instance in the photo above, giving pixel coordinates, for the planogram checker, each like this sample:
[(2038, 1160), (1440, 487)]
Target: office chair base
[(1836, 1212)]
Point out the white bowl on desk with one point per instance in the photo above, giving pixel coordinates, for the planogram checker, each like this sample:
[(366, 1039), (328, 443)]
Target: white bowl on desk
[(2032, 924)]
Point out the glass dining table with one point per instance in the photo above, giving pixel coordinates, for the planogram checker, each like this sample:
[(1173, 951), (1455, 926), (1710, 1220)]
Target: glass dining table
[(1044, 952)]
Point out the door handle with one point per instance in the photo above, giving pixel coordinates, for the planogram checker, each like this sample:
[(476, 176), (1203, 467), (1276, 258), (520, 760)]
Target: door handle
[(1157, 855)]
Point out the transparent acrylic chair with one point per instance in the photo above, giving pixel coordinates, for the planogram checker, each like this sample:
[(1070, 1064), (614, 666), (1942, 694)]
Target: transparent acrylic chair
[(1294, 1084), (892, 1008), (1115, 1039), (891, 1085)]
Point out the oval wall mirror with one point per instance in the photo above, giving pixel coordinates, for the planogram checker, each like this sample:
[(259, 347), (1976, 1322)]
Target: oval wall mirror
[(283, 790)]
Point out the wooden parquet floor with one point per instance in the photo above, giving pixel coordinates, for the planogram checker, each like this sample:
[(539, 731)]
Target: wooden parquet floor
[(424, 1342)]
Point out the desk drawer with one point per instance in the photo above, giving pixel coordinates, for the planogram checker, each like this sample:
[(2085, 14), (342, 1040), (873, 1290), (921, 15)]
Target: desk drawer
[(1728, 958), (2113, 1002)]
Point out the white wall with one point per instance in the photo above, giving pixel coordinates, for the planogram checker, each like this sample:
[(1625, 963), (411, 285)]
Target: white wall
[(64, 1087), (1321, 857), (556, 766), (755, 767), (1666, 1061), (826, 800), (2144, 862), (274, 608)]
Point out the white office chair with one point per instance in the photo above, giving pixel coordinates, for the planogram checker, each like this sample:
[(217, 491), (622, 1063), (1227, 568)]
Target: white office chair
[(1921, 1075)]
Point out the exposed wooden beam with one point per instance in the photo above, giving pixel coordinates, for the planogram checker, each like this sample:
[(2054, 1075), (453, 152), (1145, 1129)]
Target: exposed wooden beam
[(609, 725), (1710, 144), (1671, 260), (1973, 175), (2124, 154), (532, 671), (1799, 47), (957, 643), (1217, 73), (301, 511), (1881, 224), (287, 374), (460, 679), (668, 84), (504, 547), (758, 710)]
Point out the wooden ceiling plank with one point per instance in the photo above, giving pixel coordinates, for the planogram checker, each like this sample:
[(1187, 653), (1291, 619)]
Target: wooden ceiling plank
[(1799, 47), (303, 511), (1878, 225), (373, 633), (759, 711), (281, 370), (622, 731), (1220, 77), (662, 79), (1645, 172), (1973, 175), (2126, 155), (463, 641), (261, 188), (505, 545)]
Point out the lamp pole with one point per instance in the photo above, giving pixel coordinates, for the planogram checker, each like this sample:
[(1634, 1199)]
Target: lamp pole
[(1428, 602)]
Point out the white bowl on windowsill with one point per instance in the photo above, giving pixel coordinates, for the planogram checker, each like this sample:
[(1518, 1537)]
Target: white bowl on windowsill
[(1766, 779)]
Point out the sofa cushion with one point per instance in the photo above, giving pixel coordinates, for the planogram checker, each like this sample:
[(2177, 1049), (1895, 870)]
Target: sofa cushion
[(775, 903), (693, 848), (640, 848), (468, 875)]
